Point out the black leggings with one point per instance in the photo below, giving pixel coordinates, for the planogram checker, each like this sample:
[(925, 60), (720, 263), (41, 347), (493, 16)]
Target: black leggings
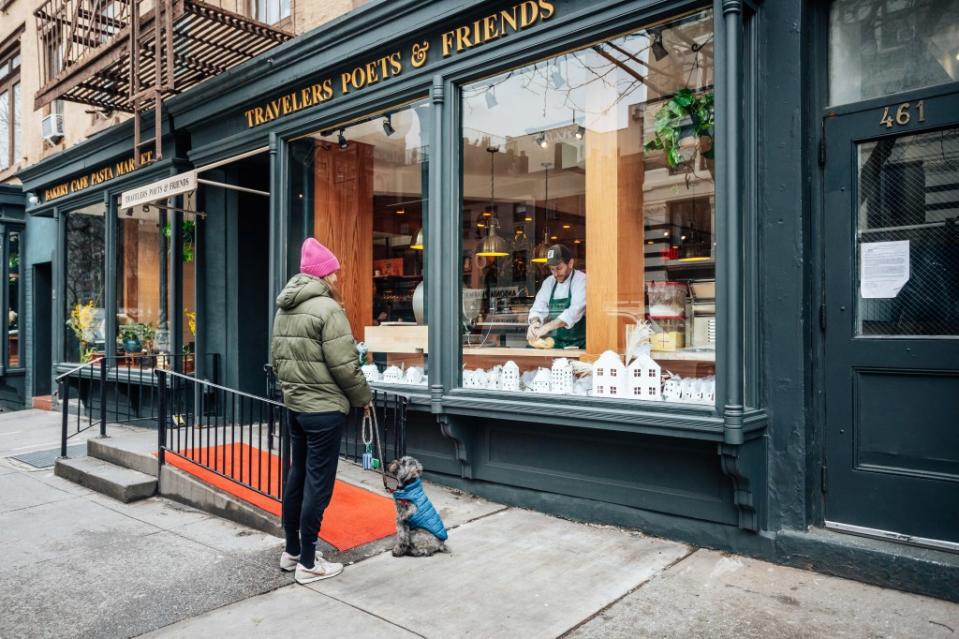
[(315, 443)]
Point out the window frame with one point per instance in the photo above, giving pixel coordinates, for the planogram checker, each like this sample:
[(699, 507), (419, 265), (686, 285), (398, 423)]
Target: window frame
[(8, 86), (374, 110), (6, 229), (537, 49)]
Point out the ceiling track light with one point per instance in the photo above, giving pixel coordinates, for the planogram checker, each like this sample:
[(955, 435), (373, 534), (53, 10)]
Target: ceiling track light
[(659, 51), (388, 125), (580, 132), (341, 140), (541, 140)]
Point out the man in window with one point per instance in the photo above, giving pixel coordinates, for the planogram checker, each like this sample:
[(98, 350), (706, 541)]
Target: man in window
[(559, 310)]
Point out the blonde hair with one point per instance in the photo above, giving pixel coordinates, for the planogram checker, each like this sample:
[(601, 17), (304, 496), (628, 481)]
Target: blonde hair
[(334, 290)]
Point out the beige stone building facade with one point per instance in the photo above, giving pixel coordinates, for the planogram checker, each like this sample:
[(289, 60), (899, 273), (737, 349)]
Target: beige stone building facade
[(25, 137)]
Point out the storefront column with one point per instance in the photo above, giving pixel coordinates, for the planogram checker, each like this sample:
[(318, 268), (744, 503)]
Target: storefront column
[(59, 289), (442, 250), (279, 221), (109, 274), (731, 324)]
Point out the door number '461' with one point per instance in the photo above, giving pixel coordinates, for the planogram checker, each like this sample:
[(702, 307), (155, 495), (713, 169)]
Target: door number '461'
[(903, 114)]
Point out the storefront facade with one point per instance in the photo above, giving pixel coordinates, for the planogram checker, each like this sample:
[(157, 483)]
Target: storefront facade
[(693, 160)]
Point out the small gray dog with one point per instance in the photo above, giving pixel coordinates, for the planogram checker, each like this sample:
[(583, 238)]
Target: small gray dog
[(419, 530)]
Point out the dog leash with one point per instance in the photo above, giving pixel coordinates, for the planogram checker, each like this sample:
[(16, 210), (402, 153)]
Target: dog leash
[(370, 431)]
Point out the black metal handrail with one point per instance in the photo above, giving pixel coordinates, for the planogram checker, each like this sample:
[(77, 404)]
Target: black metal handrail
[(121, 389), (228, 432)]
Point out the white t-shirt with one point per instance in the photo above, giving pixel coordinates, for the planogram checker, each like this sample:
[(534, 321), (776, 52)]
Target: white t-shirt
[(577, 307)]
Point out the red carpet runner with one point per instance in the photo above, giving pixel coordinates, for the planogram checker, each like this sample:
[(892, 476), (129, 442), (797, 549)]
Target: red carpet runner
[(354, 517)]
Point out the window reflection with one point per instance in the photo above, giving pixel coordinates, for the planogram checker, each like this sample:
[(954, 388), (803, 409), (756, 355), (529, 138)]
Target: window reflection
[(85, 336)]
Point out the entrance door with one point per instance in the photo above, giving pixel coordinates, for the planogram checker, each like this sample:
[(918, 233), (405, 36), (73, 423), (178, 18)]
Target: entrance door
[(891, 238), (42, 328)]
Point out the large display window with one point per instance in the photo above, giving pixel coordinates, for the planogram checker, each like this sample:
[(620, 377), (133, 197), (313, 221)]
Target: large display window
[(85, 337), (588, 218), (362, 186), (147, 239)]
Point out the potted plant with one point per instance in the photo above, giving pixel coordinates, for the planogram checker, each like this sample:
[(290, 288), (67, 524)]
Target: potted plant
[(683, 126), (134, 336), (187, 233)]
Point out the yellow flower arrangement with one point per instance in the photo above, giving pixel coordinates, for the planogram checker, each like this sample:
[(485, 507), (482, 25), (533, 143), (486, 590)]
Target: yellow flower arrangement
[(191, 321), (81, 322)]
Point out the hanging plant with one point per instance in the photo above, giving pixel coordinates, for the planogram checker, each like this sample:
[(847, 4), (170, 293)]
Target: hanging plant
[(187, 233), (685, 110)]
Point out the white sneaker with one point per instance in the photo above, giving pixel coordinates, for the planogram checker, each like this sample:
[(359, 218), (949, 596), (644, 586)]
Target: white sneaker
[(288, 562), (320, 570)]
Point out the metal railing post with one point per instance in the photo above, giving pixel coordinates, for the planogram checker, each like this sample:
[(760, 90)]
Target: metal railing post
[(103, 397), (65, 398), (161, 417)]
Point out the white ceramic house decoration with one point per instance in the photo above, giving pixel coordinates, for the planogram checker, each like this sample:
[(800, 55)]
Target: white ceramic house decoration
[(541, 382), (673, 388), (414, 375), (493, 377), (609, 376), (509, 378), (561, 377), (393, 375), (480, 378), (644, 376), (371, 373)]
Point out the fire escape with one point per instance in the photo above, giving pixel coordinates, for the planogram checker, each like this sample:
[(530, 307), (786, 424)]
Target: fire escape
[(129, 55)]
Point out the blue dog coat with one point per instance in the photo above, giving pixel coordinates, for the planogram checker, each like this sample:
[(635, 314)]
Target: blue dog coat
[(426, 516)]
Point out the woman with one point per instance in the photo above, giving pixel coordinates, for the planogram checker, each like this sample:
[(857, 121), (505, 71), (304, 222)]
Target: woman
[(315, 359)]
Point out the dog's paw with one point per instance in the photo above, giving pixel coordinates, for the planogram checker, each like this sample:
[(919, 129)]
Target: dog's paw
[(399, 551)]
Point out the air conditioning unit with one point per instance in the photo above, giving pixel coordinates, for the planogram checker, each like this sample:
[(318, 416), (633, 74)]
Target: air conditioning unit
[(52, 127)]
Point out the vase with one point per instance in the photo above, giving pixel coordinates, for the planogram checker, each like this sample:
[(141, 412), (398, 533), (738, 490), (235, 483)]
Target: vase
[(132, 345)]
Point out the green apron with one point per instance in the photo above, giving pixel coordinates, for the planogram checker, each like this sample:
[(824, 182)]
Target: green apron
[(574, 335)]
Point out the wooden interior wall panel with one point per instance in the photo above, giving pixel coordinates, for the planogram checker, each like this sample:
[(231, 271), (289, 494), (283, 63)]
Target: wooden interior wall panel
[(343, 222), (614, 239)]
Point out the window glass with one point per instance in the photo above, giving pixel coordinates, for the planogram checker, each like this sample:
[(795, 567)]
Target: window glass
[(6, 126), (881, 47), (140, 278), (85, 336), (17, 125), (13, 299), (588, 220), (363, 187), (272, 11)]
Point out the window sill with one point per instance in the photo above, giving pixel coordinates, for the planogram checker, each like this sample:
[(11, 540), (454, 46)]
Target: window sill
[(653, 418)]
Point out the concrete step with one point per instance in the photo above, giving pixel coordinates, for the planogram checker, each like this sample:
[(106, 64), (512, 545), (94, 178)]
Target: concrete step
[(115, 481), (135, 450)]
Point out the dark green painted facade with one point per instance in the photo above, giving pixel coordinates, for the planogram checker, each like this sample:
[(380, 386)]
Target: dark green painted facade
[(745, 476)]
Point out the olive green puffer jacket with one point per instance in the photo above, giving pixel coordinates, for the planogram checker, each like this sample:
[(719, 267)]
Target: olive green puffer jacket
[(314, 354)]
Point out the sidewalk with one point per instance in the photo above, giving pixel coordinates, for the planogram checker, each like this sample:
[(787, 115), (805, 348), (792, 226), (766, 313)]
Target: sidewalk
[(79, 564)]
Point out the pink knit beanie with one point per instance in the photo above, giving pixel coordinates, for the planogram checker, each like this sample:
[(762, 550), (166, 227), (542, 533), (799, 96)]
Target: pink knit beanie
[(317, 260)]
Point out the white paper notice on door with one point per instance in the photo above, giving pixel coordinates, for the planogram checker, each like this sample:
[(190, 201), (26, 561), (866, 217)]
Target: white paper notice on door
[(884, 269)]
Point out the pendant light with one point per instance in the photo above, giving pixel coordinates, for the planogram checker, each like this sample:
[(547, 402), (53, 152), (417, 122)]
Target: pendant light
[(493, 245), (539, 253), (417, 244)]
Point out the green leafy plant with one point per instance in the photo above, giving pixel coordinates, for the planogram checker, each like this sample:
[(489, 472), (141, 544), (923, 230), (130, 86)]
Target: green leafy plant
[(187, 233), (136, 331), (683, 110)]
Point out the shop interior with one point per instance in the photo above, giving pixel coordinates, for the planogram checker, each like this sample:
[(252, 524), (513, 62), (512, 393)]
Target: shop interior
[(363, 188)]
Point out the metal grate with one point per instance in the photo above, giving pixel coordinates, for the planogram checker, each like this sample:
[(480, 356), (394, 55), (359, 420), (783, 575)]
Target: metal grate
[(909, 194), (47, 458)]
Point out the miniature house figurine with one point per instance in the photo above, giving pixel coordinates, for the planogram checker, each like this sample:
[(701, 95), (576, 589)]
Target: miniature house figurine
[(480, 378), (673, 388), (414, 375), (371, 373), (541, 383), (644, 376), (509, 378), (609, 376), (561, 377), (493, 377), (393, 375)]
